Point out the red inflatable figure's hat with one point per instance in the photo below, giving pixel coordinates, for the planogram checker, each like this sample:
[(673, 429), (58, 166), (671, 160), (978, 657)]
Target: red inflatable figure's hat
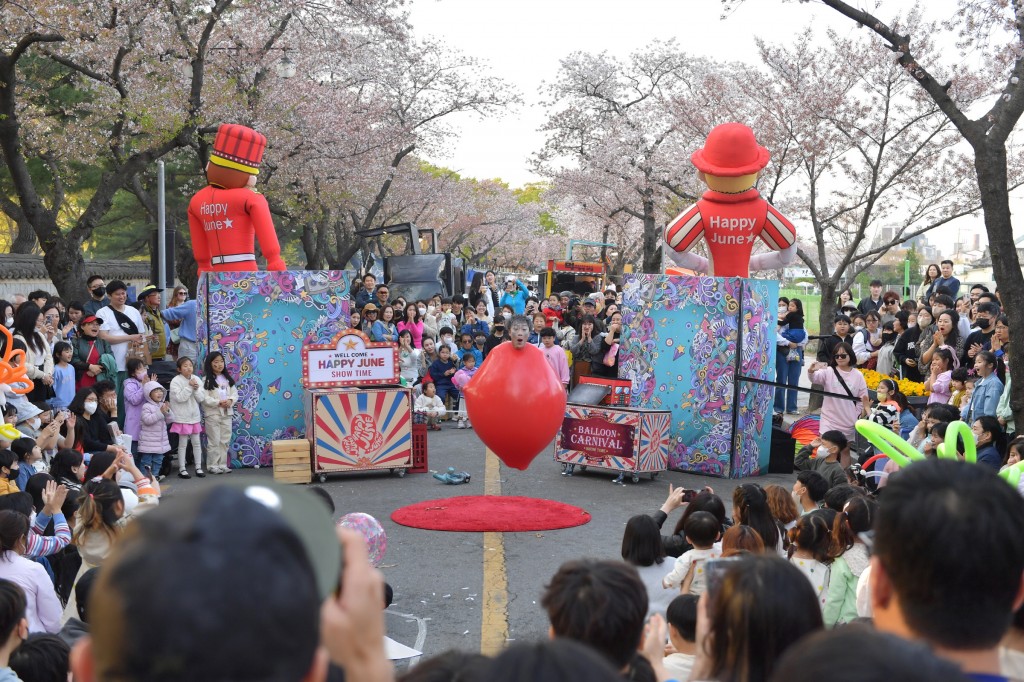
[(731, 151), (239, 148)]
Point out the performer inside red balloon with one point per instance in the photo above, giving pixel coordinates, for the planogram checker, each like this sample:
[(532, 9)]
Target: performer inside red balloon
[(225, 216), (731, 215)]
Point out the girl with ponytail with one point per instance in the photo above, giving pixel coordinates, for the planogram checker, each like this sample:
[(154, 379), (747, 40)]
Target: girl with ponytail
[(102, 515), (810, 542), (850, 558), (750, 508)]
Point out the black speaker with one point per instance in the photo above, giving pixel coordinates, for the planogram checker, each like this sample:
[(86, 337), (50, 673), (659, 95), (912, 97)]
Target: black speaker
[(780, 459)]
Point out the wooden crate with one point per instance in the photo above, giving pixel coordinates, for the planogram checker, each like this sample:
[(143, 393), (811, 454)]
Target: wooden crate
[(291, 461)]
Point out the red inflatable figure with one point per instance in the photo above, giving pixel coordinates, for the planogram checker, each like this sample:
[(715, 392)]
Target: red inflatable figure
[(731, 215), (225, 216)]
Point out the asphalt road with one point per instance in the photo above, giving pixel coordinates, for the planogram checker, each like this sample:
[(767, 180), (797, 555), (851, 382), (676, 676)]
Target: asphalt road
[(438, 577)]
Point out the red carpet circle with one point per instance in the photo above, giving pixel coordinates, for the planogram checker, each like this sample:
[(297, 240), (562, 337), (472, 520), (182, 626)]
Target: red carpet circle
[(490, 513)]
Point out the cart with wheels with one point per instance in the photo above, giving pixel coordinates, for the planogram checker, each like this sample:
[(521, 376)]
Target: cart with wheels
[(626, 441)]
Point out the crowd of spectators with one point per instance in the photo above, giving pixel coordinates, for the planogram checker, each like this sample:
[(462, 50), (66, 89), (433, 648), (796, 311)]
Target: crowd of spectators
[(912, 574), (440, 338), (954, 347)]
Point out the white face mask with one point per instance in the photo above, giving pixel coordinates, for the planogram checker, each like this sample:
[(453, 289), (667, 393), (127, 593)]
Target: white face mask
[(782, 311), (507, 316), (423, 311), (35, 423), (823, 452), (446, 339), (9, 322), (90, 407)]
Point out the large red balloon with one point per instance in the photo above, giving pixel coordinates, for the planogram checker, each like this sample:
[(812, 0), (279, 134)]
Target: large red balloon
[(515, 403)]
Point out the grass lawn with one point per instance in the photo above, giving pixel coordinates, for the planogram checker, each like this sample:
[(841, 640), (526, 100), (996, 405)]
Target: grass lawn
[(812, 308)]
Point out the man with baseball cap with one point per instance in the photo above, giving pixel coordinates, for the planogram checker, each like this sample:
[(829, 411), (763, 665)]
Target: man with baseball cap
[(235, 582)]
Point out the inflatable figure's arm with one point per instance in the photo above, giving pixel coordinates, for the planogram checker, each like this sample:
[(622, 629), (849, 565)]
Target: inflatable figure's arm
[(688, 260), (773, 260), (683, 232), (199, 247), (263, 224)]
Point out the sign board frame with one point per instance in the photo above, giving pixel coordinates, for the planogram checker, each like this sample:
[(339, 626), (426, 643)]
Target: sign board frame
[(349, 346)]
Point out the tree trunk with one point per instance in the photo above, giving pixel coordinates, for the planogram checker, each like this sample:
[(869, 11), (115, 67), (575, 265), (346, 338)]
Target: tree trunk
[(825, 325), (309, 247), (990, 165), (652, 239), (25, 238), (64, 263)]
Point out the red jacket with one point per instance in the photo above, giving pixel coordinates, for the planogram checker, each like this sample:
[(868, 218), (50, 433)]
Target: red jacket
[(224, 222), (730, 223)]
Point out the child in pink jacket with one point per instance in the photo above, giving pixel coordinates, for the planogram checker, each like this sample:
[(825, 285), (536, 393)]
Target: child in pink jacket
[(134, 399), (153, 442), (555, 355)]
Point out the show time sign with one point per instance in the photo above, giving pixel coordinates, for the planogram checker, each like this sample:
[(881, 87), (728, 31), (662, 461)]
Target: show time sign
[(351, 359)]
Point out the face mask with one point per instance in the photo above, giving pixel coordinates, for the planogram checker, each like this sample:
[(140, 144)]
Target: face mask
[(423, 311), (35, 423), (823, 452), (141, 374), (983, 323), (886, 338), (90, 408), (9, 322), (507, 316), (98, 292), (446, 339), (783, 311)]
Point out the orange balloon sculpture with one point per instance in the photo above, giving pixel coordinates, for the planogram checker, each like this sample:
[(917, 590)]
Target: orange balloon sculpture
[(15, 377)]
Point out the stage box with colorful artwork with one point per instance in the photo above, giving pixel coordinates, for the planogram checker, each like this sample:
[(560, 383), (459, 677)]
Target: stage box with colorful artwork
[(679, 350), (360, 429), (260, 321), (622, 440)]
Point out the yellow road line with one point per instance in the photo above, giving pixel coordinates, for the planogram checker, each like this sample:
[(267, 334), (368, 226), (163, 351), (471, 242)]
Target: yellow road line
[(494, 620)]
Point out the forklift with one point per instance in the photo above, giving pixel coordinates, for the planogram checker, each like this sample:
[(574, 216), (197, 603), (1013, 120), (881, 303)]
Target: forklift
[(418, 274)]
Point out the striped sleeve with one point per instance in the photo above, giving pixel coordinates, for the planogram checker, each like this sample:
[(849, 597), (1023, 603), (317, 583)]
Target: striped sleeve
[(778, 232), (682, 233)]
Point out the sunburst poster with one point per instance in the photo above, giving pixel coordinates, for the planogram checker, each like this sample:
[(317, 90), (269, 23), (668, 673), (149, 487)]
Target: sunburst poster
[(359, 429)]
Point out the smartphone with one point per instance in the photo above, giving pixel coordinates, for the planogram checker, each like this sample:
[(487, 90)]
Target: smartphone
[(715, 570), (688, 495)]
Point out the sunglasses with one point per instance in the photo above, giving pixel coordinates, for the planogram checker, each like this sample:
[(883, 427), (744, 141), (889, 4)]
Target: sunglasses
[(841, 356), (890, 302)]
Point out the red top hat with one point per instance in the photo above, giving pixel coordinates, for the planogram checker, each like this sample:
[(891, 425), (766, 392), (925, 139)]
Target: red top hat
[(731, 151), (239, 148)]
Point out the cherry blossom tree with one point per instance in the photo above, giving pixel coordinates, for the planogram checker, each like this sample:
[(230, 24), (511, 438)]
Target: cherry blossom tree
[(855, 147), (982, 75), (148, 75), (352, 135), (153, 78), (613, 130)]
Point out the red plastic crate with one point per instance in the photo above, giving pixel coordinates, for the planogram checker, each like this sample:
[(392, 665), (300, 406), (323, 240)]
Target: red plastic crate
[(419, 449)]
